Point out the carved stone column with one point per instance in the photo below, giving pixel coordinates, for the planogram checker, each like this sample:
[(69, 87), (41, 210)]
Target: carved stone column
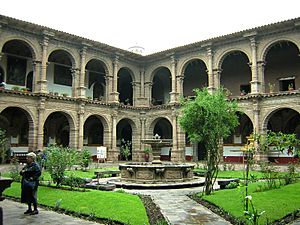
[(141, 99), (143, 122), (36, 65), (40, 123), (80, 114), (113, 154), (210, 69), (180, 79), (173, 94), (42, 81), (255, 83), (261, 75), (114, 93), (81, 89), (217, 78), (148, 88), (75, 79)]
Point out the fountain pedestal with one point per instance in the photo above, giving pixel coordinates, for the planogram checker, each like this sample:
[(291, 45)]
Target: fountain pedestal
[(156, 145)]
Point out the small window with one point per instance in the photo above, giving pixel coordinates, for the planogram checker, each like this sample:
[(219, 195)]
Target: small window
[(286, 84), (245, 88)]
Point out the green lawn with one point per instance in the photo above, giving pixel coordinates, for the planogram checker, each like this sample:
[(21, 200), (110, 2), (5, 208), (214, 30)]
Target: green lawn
[(121, 207), (240, 174), (277, 203)]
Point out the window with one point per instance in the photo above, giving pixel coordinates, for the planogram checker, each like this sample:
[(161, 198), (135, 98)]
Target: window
[(286, 83)]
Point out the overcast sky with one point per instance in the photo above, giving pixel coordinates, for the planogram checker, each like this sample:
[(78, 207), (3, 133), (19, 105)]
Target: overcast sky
[(155, 25)]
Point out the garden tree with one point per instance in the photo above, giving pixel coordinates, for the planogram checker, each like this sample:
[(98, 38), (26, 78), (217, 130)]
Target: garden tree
[(3, 149), (208, 118), (85, 158), (58, 159)]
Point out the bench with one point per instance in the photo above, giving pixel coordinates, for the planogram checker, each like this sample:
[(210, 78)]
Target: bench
[(113, 173), (20, 156), (223, 183)]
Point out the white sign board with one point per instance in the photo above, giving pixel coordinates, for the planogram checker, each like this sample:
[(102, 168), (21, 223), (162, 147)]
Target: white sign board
[(101, 152)]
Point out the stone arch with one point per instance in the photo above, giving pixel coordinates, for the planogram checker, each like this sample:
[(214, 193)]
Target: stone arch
[(185, 63), (127, 134), (282, 66), (28, 43), (161, 86), (71, 138), (270, 44), (154, 122), (236, 74), (219, 60), (68, 52), (95, 79), (193, 72), (19, 56), (21, 130), (281, 123)]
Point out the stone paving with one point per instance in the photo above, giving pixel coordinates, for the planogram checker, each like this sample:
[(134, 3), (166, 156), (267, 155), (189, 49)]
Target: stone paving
[(13, 214)]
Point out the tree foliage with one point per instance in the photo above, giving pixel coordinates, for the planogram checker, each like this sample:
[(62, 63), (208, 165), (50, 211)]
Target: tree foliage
[(209, 118)]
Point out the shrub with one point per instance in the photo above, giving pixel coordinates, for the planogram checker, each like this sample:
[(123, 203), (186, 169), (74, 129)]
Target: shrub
[(232, 185), (290, 177), (14, 171), (73, 181), (85, 158), (58, 160)]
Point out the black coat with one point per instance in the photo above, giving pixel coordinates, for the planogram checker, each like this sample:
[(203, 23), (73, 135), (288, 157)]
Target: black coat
[(30, 173)]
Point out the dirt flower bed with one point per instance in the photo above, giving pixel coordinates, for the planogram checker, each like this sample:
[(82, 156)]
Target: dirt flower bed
[(153, 211)]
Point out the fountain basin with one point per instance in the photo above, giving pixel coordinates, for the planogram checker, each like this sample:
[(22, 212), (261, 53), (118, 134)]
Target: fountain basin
[(151, 173)]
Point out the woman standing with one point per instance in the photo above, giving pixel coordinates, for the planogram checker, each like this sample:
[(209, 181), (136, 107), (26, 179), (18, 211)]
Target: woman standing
[(30, 181)]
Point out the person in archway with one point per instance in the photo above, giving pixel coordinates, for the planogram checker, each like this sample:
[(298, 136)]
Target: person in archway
[(29, 185)]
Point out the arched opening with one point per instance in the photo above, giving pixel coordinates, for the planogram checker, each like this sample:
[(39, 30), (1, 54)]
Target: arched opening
[(287, 121), (19, 127), (95, 79), (195, 76), (57, 129), (59, 73), (282, 67), (164, 129), (125, 87), (161, 87), (236, 73), (93, 132), (1, 75), (233, 144), (17, 59), (124, 138)]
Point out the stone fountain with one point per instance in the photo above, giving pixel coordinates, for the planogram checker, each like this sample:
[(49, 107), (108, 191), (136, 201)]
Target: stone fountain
[(156, 174)]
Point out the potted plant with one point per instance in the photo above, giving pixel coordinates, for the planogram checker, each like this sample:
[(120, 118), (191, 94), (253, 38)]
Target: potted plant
[(64, 94), (24, 89), (291, 87), (15, 88), (271, 87), (147, 151), (56, 93), (89, 97)]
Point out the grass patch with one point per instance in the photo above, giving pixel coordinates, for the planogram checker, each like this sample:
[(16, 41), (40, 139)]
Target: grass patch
[(122, 207), (276, 203)]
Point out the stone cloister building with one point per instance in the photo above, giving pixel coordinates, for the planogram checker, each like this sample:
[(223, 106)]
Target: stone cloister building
[(65, 89)]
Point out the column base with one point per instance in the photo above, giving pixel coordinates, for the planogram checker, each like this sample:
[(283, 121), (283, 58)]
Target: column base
[(81, 91), (42, 86), (173, 97), (114, 97), (142, 102), (255, 87)]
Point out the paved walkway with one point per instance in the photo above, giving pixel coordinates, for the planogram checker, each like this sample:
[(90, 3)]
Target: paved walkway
[(13, 214), (178, 209)]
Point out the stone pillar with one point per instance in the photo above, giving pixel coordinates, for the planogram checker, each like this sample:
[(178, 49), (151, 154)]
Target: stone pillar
[(81, 89), (75, 80), (148, 87), (141, 99), (261, 75), (80, 115), (113, 156), (135, 94), (114, 93), (40, 123), (180, 79), (36, 72), (217, 78), (255, 83), (210, 70), (42, 82), (142, 145), (176, 154), (173, 94)]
